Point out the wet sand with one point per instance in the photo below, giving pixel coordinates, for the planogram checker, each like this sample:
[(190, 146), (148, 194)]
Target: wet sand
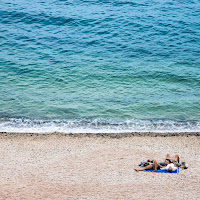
[(75, 166)]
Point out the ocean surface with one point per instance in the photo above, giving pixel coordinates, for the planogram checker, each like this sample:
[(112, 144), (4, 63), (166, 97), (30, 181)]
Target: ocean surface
[(94, 66)]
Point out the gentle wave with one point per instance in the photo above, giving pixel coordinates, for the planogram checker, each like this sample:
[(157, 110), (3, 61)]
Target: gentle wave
[(41, 19), (22, 125)]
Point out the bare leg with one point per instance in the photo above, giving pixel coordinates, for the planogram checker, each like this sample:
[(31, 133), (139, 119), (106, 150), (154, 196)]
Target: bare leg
[(144, 168), (176, 158), (155, 166)]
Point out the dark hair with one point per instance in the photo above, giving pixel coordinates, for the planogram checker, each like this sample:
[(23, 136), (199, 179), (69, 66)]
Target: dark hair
[(170, 170)]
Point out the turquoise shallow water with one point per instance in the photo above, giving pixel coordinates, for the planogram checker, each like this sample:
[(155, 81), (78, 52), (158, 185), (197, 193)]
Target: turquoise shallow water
[(99, 66)]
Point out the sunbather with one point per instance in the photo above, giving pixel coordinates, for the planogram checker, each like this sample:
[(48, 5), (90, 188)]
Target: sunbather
[(153, 165), (169, 164)]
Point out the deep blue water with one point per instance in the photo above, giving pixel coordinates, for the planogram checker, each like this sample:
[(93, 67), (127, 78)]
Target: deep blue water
[(99, 66)]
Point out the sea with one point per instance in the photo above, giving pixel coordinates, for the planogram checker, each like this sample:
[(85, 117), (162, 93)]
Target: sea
[(99, 66)]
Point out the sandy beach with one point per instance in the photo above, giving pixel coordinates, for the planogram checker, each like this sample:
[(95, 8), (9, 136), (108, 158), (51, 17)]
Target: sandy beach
[(56, 166)]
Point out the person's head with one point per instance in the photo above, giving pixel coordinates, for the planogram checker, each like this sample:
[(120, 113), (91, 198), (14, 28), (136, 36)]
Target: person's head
[(170, 169)]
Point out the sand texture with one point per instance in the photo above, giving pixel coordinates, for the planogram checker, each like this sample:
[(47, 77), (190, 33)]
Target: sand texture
[(67, 167)]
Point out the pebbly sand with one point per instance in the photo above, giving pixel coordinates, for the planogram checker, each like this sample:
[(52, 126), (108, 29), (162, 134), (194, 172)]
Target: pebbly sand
[(55, 166)]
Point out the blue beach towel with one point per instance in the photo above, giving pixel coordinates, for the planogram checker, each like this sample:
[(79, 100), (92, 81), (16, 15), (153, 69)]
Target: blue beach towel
[(163, 171)]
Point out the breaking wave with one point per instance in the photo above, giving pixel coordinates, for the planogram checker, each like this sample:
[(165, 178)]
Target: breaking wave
[(25, 125)]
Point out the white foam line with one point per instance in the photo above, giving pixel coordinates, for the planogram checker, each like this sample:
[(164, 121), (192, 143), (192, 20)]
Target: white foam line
[(95, 126)]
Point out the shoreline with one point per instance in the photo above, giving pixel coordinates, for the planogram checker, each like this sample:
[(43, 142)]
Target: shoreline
[(105, 135)]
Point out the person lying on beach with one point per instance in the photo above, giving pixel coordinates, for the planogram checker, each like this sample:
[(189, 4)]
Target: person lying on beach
[(169, 164), (154, 165)]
